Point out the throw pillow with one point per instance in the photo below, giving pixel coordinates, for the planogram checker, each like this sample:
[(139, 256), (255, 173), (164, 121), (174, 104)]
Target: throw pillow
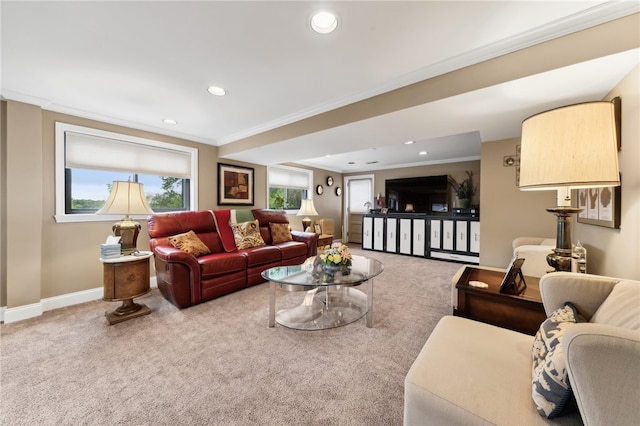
[(280, 232), (551, 389), (190, 243), (247, 234), (621, 308)]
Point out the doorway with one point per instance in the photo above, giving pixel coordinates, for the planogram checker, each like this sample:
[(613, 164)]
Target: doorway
[(358, 199)]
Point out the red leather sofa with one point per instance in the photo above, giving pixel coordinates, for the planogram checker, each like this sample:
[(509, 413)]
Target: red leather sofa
[(185, 280)]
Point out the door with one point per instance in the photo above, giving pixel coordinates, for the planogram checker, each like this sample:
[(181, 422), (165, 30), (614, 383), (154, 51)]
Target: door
[(358, 191), (436, 233), (405, 236), (391, 234), (462, 235), (419, 236), (367, 232), (378, 233), (474, 237), (447, 234)]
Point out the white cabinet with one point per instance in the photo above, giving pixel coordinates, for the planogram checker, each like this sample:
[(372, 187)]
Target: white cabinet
[(391, 234), (436, 234), (447, 235), (378, 233), (474, 237), (462, 235), (367, 232), (419, 237), (455, 239), (405, 236)]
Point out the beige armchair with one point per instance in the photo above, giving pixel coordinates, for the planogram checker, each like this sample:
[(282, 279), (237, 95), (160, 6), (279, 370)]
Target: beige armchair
[(469, 372)]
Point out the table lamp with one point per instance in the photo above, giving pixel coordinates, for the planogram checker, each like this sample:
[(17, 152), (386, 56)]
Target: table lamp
[(126, 198), (567, 148), (307, 209)]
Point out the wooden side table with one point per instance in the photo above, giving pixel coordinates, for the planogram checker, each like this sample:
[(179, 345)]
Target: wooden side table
[(523, 312), (125, 278), (324, 240)]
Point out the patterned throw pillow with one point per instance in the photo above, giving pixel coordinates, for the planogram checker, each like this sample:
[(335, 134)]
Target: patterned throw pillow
[(190, 243), (280, 232), (551, 389), (247, 234)]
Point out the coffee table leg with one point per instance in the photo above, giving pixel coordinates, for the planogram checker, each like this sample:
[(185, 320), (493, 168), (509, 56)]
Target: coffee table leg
[(370, 305), (272, 304)]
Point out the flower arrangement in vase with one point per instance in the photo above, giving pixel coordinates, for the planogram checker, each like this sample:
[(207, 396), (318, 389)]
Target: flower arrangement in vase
[(336, 258)]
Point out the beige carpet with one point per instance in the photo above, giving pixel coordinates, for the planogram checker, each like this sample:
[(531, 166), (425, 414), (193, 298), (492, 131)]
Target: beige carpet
[(218, 363)]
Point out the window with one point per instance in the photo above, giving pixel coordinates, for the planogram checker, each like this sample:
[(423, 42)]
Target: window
[(89, 160), (288, 186)]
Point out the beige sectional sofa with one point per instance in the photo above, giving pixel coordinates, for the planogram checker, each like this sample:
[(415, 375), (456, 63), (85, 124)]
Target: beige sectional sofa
[(471, 373)]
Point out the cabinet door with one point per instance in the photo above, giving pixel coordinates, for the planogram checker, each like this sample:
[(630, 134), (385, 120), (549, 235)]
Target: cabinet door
[(391, 235), (378, 233), (474, 237), (419, 236), (405, 236), (447, 234), (436, 233), (367, 232), (462, 235)]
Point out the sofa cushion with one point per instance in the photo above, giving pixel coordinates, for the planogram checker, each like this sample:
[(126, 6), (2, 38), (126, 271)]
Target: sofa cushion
[(280, 232), (247, 235), (621, 308), (190, 243), (218, 264), (551, 390)]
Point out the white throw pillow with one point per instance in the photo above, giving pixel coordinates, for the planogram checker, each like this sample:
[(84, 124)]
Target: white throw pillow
[(622, 307)]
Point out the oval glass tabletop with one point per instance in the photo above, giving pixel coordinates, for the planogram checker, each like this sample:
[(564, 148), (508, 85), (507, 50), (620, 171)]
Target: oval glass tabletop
[(362, 269)]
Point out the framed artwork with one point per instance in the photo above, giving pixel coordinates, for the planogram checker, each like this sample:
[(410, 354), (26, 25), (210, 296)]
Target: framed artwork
[(235, 185), (317, 228), (600, 206)]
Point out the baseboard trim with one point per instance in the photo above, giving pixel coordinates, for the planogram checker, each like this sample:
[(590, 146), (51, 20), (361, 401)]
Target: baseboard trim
[(19, 313)]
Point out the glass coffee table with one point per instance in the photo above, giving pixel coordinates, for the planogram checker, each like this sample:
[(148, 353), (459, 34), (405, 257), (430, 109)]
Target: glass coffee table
[(326, 302)]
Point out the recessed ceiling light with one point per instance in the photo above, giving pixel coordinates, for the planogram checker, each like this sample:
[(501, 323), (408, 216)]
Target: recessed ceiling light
[(409, 142), (351, 162), (215, 90), (324, 22), (169, 121), (423, 153)]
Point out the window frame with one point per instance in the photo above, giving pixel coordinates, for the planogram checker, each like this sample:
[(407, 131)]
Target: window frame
[(60, 169), (308, 172)]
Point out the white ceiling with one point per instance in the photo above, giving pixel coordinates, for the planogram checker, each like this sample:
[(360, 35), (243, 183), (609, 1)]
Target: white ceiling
[(137, 63)]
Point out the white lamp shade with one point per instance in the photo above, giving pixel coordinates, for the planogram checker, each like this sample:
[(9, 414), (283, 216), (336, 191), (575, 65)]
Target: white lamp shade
[(126, 198), (574, 146), (307, 208)]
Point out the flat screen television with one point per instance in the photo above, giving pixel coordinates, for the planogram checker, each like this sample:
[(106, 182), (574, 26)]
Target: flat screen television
[(425, 194)]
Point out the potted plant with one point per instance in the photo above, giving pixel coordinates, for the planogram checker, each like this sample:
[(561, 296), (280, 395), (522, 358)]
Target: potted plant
[(464, 190)]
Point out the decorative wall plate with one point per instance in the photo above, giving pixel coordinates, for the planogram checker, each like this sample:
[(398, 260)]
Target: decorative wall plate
[(329, 181), (338, 191), (319, 189)]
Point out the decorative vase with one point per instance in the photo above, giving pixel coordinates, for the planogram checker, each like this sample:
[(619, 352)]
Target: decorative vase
[(330, 271), (465, 203)]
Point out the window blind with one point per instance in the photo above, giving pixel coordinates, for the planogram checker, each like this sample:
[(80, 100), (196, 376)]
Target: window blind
[(95, 152), (288, 178)]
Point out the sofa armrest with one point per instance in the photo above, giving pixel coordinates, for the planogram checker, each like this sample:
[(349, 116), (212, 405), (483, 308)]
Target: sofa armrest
[(527, 241), (585, 291), (309, 238), (172, 254), (602, 364)]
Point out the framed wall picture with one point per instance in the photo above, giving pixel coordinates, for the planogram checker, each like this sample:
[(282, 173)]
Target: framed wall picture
[(235, 185), (600, 206)]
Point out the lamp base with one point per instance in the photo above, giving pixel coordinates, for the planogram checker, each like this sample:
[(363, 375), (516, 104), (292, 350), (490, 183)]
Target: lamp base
[(306, 224), (561, 259), (128, 231)]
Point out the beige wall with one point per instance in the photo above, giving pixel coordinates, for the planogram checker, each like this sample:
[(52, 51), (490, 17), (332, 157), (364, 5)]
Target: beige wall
[(616, 252), (62, 258), (507, 213)]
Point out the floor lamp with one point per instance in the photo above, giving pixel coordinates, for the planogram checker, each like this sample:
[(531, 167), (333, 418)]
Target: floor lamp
[(568, 148)]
